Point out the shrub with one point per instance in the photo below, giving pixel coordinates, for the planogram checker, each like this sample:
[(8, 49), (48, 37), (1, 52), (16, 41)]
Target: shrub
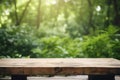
[(15, 42)]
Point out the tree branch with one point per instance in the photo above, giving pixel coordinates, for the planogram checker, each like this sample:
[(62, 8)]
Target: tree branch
[(23, 13)]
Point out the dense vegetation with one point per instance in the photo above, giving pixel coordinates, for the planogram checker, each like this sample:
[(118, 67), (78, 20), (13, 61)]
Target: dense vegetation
[(59, 28)]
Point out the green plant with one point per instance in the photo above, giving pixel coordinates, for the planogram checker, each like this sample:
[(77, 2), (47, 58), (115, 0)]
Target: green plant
[(100, 45), (15, 41), (56, 47)]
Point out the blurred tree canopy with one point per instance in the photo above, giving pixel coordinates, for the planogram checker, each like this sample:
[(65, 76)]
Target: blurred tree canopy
[(60, 28)]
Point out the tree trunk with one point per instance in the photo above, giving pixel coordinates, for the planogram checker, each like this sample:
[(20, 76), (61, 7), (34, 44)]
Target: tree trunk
[(19, 20), (116, 20), (16, 15), (38, 14), (23, 13), (108, 21), (90, 20)]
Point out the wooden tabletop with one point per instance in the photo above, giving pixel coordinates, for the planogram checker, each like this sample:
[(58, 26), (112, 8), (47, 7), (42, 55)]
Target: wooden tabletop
[(60, 66)]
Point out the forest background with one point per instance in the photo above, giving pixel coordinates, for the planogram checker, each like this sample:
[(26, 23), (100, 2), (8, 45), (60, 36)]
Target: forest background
[(59, 28)]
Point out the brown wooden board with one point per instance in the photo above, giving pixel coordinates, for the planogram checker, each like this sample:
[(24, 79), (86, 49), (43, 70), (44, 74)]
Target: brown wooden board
[(60, 66)]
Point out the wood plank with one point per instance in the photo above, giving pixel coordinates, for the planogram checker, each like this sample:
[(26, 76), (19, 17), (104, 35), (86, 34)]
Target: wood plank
[(60, 66), (60, 62)]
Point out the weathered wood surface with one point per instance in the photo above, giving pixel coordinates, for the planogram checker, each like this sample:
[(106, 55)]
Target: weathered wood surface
[(60, 66)]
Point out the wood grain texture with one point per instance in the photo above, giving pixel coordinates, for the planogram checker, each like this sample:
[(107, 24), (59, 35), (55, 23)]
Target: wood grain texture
[(60, 66)]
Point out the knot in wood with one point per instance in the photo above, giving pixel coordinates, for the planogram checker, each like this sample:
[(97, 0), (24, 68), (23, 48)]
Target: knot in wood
[(58, 70)]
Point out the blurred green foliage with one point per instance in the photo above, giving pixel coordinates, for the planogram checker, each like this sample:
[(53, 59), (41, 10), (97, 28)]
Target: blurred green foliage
[(59, 28), (56, 47), (14, 41), (101, 45)]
